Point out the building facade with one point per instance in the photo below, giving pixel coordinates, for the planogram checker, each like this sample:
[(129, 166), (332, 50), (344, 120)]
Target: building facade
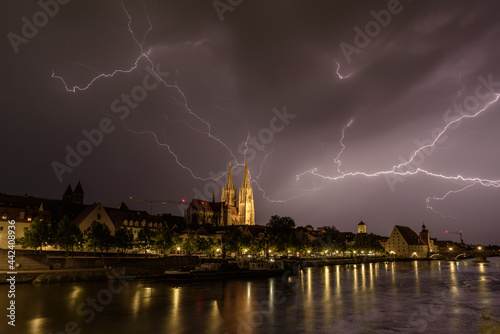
[(407, 243)]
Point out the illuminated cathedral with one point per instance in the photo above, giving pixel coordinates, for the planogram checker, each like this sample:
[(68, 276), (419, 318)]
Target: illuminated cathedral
[(231, 210)]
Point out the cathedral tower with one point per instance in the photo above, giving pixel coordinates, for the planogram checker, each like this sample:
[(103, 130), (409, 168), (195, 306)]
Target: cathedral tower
[(246, 210), (229, 191)]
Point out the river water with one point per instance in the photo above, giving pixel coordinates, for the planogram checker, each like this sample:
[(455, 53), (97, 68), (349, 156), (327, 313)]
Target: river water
[(401, 297)]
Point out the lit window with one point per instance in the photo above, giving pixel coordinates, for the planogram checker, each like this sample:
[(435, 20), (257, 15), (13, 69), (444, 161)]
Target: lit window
[(29, 219)]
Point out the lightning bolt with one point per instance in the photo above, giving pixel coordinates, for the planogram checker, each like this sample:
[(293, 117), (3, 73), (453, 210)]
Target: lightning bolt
[(429, 199), (440, 134), (264, 194), (143, 55), (337, 159), (267, 155), (183, 102), (341, 77), (396, 169)]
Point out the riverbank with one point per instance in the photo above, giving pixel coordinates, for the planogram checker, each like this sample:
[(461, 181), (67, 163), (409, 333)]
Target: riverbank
[(154, 267)]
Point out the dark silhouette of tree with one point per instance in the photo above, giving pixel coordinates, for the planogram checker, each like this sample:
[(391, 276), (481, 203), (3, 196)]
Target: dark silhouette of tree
[(145, 238), (331, 239), (98, 236), (36, 235), (281, 233), (68, 234), (205, 245), (124, 239), (367, 242), (163, 240), (190, 243)]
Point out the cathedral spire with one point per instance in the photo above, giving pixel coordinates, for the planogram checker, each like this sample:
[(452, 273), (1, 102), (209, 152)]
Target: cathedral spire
[(246, 212), (246, 178), (229, 191), (230, 176)]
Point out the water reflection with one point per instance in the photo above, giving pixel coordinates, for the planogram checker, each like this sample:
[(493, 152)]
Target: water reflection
[(445, 296)]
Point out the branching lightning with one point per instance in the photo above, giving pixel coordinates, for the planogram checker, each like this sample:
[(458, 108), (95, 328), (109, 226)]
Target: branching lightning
[(396, 170), (429, 199), (337, 159), (145, 55)]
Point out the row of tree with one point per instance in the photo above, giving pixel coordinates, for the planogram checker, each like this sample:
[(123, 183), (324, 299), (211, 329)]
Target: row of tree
[(280, 236)]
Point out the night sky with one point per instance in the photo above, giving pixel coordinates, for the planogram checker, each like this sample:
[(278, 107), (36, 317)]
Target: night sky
[(275, 82)]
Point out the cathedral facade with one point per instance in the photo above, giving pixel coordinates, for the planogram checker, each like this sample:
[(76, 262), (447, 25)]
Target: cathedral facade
[(234, 208)]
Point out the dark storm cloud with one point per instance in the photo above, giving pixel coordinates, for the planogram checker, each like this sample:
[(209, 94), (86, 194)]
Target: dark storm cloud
[(233, 73)]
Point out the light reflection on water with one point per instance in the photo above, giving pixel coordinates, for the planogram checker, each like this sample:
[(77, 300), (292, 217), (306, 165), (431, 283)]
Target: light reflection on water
[(411, 297)]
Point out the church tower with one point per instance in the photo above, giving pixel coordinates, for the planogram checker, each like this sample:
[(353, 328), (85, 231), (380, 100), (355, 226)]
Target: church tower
[(228, 197), (246, 210), (361, 227), (424, 235)]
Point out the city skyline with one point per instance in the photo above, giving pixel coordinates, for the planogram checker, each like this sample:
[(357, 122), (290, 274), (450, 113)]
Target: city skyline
[(153, 100)]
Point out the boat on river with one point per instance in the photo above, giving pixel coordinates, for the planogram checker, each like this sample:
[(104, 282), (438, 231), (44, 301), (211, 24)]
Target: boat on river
[(227, 270)]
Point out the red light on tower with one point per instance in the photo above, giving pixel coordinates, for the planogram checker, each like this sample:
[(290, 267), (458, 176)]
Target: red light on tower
[(183, 200), (130, 197), (446, 231)]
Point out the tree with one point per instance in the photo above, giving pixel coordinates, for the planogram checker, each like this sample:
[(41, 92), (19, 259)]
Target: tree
[(98, 236), (36, 235), (163, 240), (190, 243), (281, 233), (124, 239), (331, 239), (145, 238), (68, 234), (205, 245), (367, 243)]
